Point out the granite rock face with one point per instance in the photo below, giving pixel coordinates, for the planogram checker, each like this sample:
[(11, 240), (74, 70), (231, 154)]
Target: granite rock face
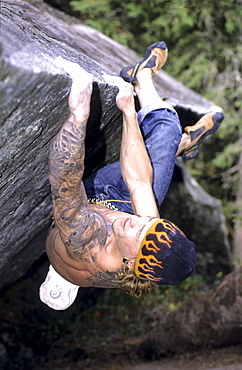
[(33, 106)]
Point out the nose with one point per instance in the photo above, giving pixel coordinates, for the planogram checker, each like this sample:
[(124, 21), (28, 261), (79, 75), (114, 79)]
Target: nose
[(132, 222), (136, 221)]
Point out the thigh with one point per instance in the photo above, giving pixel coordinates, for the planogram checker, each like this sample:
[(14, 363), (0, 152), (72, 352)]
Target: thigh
[(161, 131)]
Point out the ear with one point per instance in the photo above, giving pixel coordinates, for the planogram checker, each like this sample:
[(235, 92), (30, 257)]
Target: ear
[(130, 263)]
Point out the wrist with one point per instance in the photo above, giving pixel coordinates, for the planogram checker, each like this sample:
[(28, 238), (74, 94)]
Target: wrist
[(130, 114), (78, 118)]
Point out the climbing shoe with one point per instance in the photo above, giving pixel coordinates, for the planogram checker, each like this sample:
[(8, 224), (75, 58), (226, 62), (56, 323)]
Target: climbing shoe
[(155, 58), (208, 124)]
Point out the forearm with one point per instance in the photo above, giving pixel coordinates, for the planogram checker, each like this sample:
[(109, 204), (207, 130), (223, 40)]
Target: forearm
[(134, 160), (67, 151)]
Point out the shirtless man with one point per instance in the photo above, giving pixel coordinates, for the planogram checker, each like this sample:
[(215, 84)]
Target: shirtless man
[(127, 246)]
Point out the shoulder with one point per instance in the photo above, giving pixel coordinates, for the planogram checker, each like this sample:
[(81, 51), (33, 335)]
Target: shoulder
[(98, 272), (87, 236)]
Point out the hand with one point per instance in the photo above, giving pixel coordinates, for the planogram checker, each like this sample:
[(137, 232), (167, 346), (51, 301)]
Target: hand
[(125, 98), (81, 89)]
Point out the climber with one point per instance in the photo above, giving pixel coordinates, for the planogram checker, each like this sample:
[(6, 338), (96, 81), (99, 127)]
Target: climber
[(107, 231)]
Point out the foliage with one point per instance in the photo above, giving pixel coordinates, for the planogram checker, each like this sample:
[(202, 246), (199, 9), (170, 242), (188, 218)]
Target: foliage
[(172, 296)]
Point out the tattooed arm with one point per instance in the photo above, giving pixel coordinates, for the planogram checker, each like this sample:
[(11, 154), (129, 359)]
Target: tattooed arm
[(82, 231)]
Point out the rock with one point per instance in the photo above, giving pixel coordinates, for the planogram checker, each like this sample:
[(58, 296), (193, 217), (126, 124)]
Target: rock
[(33, 103), (211, 320)]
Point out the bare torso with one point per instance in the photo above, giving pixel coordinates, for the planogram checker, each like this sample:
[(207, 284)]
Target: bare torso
[(100, 272)]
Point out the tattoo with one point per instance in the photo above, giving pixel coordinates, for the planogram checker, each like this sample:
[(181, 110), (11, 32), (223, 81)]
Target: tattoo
[(84, 235), (106, 279), (66, 162), (83, 232)]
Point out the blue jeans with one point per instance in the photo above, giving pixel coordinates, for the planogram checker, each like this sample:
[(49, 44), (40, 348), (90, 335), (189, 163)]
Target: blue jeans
[(161, 132)]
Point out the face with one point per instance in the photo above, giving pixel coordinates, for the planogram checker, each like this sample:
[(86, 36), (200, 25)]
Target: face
[(129, 232)]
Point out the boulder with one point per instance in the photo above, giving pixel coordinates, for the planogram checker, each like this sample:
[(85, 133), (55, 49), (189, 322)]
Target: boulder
[(210, 320), (33, 105)]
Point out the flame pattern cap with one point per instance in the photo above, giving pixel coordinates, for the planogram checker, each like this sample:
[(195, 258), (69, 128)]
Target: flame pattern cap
[(165, 255)]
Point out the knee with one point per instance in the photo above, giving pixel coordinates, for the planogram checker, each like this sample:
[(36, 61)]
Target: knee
[(174, 125)]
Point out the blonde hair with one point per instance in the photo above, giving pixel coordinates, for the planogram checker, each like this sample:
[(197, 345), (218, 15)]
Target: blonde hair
[(132, 284)]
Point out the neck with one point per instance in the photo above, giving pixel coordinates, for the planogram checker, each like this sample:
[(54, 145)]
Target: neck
[(120, 257), (111, 245)]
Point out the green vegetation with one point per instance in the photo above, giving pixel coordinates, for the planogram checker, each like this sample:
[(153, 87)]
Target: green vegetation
[(205, 53)]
